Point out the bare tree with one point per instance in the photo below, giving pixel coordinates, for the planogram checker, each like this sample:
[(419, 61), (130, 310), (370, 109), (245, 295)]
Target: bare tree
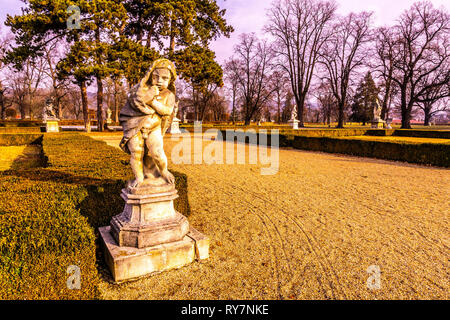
[(200, 99), (342, 55), (431, 101), (280, 84), (287, 107), (4, 43), (384, 66), (25, 84), (218, 106), (299, 27), (232, 86), (252, 67), (327, 102), (52, 55), (115, 95), (71, 103), (421, 48)]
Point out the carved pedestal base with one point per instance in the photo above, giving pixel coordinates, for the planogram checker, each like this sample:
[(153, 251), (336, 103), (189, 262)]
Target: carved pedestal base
[(378, 124), (294, 124), (129, 263), (51, 126), (150, 235), (175, 126)]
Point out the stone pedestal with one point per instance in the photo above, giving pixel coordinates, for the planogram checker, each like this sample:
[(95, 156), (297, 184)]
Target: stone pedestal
[(150, 235), (51, 126), (378, 124), (294, 123), (175, 126), (388, 123)]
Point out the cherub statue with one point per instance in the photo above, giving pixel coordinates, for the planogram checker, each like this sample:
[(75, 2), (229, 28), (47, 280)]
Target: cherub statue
[(145, 119), (294, 113), (49, 111), (377, 110)]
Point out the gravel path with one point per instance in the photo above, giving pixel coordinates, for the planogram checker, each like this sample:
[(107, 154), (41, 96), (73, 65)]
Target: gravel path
[(310, 231)]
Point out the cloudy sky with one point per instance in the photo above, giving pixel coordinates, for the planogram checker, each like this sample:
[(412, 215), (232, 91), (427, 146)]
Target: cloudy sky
[(250, 15)]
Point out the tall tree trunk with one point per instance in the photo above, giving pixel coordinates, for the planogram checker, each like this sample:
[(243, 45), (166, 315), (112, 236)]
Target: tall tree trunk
[(406, 112), (233, 110), (300, 111), (406, 123), (329, 114), (427, 112), (2, 103), (384, 105), (427, 120), (22, 108), (57, 102), (84, 103), (172, 39), (278, 109), (340, 115), (116, 108), (99, 104)]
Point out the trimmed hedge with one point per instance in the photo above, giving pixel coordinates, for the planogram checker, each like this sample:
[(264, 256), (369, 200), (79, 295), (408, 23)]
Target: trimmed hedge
[(20, 123), (19, 139), (20, 130), (41, 235), (51, 216), (444, 134), (424, 153)]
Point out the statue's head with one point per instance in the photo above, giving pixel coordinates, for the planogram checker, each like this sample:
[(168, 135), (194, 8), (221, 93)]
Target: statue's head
[(163, 74)]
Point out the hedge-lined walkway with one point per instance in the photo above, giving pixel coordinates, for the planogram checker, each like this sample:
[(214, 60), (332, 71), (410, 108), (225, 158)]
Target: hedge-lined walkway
[(310, 231)]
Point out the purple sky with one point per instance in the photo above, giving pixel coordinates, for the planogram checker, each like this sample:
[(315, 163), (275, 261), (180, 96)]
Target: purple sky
[(250, 15)]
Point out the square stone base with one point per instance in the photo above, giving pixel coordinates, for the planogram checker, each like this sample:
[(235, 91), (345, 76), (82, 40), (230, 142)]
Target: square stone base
[(378, 124), (52, 126), (128, 263)]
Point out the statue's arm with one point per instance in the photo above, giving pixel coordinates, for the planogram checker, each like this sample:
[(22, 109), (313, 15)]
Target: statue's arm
[(138, 100), (164, 109)]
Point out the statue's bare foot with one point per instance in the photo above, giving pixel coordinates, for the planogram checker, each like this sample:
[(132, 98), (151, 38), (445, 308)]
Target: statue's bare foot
[(136, 183), (168, 176)]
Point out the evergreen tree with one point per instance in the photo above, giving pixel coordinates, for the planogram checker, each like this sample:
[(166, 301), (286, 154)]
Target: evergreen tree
[(364, 100), (119, 37)]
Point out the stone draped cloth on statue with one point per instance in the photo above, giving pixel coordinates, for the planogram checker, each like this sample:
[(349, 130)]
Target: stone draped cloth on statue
[(135, 113)]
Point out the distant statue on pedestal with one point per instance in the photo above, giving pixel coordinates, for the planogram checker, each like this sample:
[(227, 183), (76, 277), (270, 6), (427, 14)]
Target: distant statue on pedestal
[(49, 117), (377, 110), (108, 116), (49, 111), (293, 121), (377, 122)]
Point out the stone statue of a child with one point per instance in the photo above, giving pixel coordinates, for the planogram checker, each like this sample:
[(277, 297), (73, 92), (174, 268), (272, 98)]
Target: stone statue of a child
[(144, 119), (49, 111), (377, 110)]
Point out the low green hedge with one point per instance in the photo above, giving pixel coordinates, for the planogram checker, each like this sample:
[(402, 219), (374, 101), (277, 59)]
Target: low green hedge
[(437, 134), (20, 130), (424, 153), (19, 139), (20, 123), (50, 218), (41, 234)]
